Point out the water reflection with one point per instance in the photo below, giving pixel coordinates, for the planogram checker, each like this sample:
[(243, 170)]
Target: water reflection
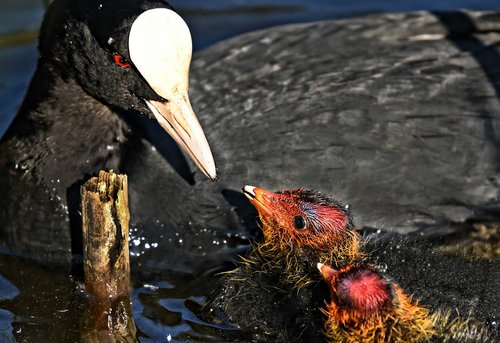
[(50, 307)]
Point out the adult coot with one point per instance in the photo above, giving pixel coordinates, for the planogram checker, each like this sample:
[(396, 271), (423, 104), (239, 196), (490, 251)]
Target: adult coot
[(397, 113)]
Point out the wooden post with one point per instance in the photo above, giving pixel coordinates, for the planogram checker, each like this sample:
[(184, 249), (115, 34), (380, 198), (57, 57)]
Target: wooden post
[(106, 261)]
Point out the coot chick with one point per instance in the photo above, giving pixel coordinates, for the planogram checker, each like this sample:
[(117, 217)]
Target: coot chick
[(366, 305), (105, 69), (275, 293), (298, 226)]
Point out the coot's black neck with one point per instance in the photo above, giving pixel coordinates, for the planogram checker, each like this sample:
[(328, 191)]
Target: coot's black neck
[(62, 133), (41, 87)]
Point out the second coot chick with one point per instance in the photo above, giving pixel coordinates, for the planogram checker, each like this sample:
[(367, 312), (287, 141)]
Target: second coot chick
[(366, 305)]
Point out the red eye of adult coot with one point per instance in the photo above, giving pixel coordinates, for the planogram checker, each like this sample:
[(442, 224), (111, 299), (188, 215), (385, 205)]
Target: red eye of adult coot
[(121, 61)]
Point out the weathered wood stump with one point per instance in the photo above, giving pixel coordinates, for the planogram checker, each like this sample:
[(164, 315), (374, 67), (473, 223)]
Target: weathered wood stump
[(105, 216)]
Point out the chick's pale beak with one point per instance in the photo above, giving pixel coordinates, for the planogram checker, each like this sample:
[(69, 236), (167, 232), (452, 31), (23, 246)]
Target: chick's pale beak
[(176, 116), (260, 199), (327, 272)]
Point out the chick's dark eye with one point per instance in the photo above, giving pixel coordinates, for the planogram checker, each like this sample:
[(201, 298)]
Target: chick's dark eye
[(299, 222), (121, 61)]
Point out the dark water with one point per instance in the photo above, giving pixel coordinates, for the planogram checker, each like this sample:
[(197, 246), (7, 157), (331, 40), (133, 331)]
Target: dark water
[(37, 305)]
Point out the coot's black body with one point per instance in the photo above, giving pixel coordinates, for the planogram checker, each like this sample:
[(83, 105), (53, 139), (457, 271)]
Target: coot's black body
[(398, 114)]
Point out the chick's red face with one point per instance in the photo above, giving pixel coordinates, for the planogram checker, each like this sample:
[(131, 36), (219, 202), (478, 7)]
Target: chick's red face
[(299, 216)]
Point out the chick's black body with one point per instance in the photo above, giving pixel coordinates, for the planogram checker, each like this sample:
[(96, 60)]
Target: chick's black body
[(264, 308), (255, 298)]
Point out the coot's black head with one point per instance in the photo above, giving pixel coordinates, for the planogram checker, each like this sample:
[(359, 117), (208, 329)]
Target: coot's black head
[(133, 55)]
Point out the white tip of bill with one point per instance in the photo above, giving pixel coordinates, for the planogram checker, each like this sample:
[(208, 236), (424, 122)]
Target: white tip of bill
[(249, 191)]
